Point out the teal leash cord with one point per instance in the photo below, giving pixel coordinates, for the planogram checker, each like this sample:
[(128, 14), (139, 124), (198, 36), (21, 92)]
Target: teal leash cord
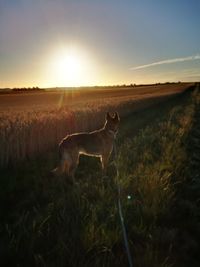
[(120, 210)]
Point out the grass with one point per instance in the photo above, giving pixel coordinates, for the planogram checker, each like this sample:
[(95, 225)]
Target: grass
[(48, 222), (31, 124)]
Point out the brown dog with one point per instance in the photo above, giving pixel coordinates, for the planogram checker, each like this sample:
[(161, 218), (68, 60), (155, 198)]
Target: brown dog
[(98, 143)]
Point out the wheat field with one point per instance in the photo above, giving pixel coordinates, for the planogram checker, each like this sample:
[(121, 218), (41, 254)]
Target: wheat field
[(31, 123), (47, 221)]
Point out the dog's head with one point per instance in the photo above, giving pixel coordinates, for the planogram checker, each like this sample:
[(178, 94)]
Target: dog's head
[(112, 122)]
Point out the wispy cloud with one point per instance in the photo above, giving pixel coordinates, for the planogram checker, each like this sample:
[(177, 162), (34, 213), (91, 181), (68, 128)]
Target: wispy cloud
[(167, 61)]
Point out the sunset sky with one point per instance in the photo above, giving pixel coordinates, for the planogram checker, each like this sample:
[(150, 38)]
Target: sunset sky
[(49, 43)]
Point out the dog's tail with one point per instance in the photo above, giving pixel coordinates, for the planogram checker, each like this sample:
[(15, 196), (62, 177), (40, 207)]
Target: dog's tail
[(65, 162)]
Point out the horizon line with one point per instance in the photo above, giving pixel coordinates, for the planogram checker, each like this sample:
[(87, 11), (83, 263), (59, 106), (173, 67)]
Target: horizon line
[(90, 86)]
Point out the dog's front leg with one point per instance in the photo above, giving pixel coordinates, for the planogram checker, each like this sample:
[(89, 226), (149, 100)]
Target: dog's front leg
[(104, 163)]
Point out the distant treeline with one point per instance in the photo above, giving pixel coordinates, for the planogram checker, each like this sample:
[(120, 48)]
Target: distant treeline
[(135, 85), (113, 86), (36, 89), (19, 90), (132, 85), (25, 89)]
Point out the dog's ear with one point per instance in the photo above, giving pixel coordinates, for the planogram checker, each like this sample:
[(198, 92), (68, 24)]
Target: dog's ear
[(107, 116), (116, 116)]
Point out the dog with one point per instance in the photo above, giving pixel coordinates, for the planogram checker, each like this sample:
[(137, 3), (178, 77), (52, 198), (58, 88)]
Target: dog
[(98, 143)]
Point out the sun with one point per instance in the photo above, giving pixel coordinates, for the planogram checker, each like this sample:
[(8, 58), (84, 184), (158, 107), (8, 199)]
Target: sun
[(69, 68)]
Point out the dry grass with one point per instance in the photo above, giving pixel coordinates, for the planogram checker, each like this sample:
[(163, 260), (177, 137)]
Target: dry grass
[(47, 222), (33, 123)]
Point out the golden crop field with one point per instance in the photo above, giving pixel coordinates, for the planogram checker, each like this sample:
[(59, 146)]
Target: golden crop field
[(154, 173), (31, 123), (99, 133)]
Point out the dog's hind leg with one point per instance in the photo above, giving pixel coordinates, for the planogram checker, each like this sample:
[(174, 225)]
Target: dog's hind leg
[(74, 164), (61, 167), (72, 173)]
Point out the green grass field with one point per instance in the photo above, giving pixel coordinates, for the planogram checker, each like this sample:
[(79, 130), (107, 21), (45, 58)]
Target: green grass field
[(47, 221)]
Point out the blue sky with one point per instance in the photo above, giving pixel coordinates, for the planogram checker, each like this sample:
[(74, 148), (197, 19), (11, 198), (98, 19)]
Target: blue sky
[(117, 41)]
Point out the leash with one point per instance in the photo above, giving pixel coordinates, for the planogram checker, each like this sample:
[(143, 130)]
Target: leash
[(120, 208)]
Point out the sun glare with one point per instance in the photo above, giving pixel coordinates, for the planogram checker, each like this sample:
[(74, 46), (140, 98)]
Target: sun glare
[(69, 68)]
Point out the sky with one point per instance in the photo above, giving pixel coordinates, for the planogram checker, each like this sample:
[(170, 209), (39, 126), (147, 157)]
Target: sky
[(49, 43)]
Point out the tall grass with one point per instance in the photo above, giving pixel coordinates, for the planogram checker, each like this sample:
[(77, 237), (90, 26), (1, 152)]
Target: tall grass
[(28, 131), (51, 223), (154, 163)]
